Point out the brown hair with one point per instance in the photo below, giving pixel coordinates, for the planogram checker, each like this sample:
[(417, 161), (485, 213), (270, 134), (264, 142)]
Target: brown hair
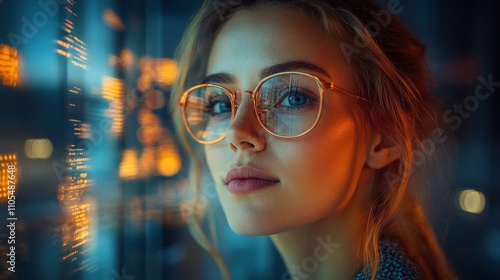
[(388, 64)]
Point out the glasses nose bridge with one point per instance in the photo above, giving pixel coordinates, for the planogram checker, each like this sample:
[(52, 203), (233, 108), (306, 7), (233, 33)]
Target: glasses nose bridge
[(235, 96), (242, 91)]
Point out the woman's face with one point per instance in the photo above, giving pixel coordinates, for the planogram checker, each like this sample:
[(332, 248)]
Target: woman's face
[(304, 179)]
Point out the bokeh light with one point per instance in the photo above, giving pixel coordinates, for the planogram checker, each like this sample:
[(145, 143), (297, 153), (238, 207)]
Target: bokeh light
[(113, 91), (113, 20), (472, 201), (154, 99), (169, 160), (162, 70), (129, 165), (9, 66), (38, 148), (8, 176), (149, 135)]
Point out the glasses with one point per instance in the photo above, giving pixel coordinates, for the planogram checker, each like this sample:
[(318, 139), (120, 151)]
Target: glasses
[(287, 105)]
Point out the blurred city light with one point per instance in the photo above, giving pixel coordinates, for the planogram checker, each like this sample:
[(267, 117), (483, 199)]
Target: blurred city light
[(113, 20), (154, 99), (113, 91), (129, 165), (76, 231), (472, 201), (5, 161), (99, 183), (126, 59), (162, 70), (73, 47), (167, 71), (38, 148), (169, 160), (9, 66), (149, 135)]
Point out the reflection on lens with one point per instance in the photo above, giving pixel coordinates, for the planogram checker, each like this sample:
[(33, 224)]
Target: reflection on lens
[(289, 104), (208, 112)]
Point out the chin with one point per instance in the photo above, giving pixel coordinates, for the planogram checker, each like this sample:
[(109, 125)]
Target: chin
[(258, 219), (256, 227), (250, 230)]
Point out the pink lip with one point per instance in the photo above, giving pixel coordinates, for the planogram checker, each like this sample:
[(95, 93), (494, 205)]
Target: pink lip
[(247, 179)]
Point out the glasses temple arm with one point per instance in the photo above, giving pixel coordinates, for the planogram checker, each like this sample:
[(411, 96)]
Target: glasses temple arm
[(332, 85)]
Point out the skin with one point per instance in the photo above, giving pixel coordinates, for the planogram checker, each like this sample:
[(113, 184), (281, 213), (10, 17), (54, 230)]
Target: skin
[(325, 176)]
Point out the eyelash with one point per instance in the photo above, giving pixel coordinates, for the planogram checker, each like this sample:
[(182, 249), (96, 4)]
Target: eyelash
[(295, 89), (210, 104)]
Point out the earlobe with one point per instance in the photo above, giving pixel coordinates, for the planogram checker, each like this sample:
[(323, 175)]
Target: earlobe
[(381, 152)]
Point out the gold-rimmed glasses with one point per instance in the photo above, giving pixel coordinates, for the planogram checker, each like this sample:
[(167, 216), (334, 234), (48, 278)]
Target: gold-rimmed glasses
[(287, 104)]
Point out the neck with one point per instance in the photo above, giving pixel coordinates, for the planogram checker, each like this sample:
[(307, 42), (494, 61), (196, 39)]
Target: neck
[(327, 249)]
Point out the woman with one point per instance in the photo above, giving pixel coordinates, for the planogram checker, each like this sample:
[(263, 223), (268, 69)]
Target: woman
[(309, 114)]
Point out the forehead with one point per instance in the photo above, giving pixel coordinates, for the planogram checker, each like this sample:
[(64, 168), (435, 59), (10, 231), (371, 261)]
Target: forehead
[(257, 38)]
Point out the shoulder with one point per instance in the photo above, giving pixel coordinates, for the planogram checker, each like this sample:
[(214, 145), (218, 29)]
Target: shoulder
[(394, 264)]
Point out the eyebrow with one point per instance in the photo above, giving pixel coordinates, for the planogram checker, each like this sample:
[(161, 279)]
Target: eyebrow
[(227, 78)]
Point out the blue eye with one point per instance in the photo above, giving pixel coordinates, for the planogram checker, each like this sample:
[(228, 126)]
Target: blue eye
[(222, 107), (294, 98), (218, 105)]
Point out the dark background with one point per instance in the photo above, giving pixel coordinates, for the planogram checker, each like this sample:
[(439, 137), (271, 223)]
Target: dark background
[(84, 87)]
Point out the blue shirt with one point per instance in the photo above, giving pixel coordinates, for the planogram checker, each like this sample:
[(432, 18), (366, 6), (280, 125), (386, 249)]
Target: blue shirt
[(394, 264)]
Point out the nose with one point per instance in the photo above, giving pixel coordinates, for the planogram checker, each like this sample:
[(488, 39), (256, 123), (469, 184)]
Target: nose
[(245, 132)]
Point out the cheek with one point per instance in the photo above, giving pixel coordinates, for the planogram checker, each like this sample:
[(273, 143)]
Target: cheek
[(216, 159), (318, 177), (323, 168)]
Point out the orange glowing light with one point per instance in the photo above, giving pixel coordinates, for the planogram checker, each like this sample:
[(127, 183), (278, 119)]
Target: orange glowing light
[(144, 82), (113, 88), (148, 135), (63, 44), (8, 177), (76, 231), (166, 71), (147, 118), (154, 99), (113, 20), (127, 57), (129, 165), (162, 70), (72, 47), (82, 130), (78, 40), (169, 160), (63, 53), (9, 66)]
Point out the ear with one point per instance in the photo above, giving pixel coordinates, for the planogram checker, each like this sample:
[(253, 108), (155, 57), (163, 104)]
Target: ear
[(381, 152)]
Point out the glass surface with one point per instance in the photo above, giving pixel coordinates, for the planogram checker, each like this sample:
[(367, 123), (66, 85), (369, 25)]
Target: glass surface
[(286, 104)]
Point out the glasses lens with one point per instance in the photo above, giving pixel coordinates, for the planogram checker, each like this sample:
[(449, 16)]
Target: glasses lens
[(289, 104), (208, 112)]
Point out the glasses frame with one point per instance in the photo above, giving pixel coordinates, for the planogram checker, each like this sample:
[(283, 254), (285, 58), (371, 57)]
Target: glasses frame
[(254, 96)]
